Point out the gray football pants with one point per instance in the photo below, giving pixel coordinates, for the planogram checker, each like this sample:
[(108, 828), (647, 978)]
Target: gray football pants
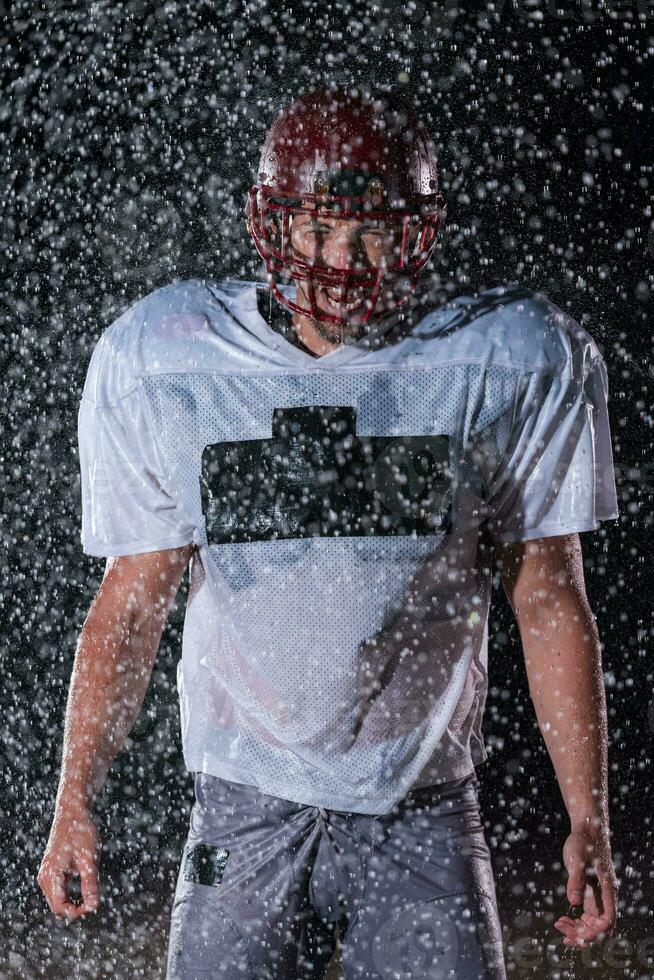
[(263, 882)]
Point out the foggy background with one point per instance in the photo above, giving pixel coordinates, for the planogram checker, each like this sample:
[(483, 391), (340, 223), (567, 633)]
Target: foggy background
[(130, 133)]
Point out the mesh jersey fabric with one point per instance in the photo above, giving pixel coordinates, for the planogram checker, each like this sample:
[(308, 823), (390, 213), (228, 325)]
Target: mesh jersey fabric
[(343, 510)]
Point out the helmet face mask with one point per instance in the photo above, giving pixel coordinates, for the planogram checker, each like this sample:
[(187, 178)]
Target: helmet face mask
[(355, 226)]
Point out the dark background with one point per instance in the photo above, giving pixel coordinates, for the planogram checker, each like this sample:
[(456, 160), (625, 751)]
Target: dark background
[(130, 133)]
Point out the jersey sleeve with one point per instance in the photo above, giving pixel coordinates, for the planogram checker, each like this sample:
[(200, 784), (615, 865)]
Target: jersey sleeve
[(127, 507), (556, 475)]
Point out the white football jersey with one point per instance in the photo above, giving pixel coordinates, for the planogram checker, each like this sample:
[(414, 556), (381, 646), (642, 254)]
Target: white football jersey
[(343, 510)]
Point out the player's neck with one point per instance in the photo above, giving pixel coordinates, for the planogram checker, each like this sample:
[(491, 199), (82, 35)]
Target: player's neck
[(279, 319)]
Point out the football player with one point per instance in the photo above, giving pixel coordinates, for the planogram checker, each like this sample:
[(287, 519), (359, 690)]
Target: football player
[(341, 458)]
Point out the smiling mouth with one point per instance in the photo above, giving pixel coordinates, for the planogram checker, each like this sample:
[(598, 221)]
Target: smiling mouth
[(333, 298)]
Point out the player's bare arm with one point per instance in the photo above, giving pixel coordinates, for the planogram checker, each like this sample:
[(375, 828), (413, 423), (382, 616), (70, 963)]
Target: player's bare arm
[(544, 582), (115, 655)]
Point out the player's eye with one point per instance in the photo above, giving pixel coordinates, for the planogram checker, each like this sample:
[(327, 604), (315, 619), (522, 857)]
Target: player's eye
[(311, 229), (374, 228), (378, 237)]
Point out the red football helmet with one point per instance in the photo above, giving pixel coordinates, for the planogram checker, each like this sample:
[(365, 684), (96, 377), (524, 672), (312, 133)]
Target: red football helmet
[(351, 156)]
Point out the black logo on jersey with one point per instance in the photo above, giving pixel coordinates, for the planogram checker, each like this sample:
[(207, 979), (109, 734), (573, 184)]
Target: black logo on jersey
[(316, 477)]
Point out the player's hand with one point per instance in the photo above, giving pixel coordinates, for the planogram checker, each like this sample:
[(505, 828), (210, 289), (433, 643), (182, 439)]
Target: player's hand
[(592, 887), (73, 849)]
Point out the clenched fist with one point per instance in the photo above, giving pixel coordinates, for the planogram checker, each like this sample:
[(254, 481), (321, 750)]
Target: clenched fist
[(73, 848)]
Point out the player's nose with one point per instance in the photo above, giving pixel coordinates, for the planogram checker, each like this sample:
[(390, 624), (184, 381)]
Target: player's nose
[(341, 249)]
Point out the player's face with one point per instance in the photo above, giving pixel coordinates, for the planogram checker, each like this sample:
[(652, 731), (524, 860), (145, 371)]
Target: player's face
[(341, 244)]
